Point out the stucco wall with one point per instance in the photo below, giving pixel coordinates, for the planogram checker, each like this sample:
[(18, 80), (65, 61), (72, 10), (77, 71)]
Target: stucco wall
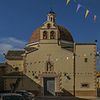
[(16, 63), (61, 58), (85, 70)]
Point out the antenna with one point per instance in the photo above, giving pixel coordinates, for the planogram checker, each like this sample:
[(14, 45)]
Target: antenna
[(51, 10), (52, 6)]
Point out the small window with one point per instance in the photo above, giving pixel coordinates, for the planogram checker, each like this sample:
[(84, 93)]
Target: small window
[(51, 19), (54, 25), (48, 25), (85, 59), (65, 74), (84, 85), (33, 74), (52, 35), (45, 35), (90, 54), (68, 77), (36, 77), (16, 68)]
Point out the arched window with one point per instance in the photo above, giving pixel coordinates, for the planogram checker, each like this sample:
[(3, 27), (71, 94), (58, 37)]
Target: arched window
[(51, 19), (52, 35), (45, 35)]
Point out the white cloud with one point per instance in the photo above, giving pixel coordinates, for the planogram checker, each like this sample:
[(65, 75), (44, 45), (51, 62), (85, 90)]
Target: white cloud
[(5, 47), (10, 43)]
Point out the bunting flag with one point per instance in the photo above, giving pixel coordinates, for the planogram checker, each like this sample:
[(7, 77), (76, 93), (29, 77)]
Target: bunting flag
[(94, 18), (87, 12), (78, 7), (67, 1)]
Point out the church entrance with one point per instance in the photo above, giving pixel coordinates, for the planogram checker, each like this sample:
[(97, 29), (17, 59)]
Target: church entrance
[(49, 86)]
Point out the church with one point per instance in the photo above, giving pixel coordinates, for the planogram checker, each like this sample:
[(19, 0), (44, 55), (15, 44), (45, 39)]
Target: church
[(54, 61)]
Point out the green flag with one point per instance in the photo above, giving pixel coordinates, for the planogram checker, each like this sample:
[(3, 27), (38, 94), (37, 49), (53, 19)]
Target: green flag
[(67, 1), (87, 12)]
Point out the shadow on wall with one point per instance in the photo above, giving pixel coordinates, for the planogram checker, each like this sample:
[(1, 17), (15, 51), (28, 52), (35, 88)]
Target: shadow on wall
[(18, 81), (66, 93), (30, 85), (27, 84), (98, 92)]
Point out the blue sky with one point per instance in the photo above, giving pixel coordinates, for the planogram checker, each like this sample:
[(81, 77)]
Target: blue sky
[(18, 18)]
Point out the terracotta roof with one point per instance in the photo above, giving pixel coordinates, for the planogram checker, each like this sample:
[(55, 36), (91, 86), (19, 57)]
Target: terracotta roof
[(14, 74), (14, 54), (3, 65), (35, 36), (63, 34), (30, 49)]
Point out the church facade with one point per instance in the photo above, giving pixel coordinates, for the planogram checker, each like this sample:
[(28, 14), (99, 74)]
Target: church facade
[(54, 61)]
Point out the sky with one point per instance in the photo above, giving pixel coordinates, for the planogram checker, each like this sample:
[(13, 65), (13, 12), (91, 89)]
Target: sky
[(19, 18)]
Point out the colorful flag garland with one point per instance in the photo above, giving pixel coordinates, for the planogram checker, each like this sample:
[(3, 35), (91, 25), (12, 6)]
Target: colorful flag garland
[(81, 6)]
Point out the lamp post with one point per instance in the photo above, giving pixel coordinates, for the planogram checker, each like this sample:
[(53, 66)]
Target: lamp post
[(24, 67), (74, 68)]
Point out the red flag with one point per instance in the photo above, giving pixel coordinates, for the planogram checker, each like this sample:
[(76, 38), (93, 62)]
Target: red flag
[(94, 18)]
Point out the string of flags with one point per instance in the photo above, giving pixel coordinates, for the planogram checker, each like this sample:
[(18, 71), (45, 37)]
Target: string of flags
[(79, 6)]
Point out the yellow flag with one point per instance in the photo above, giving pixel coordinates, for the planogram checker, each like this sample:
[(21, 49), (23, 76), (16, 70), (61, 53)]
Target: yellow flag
[(67, 1), (87, 12)]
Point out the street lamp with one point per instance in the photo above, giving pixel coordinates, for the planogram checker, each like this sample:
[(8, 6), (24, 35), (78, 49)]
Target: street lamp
[(74, 68)]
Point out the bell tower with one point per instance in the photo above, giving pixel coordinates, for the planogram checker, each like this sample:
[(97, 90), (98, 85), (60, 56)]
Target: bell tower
[(51, 16)]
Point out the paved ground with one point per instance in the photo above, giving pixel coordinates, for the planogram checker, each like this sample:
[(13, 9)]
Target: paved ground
[(60, 98), (63, 98), (98, 98)]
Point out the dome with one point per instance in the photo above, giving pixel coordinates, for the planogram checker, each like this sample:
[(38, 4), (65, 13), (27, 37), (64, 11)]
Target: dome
[(63, 34), (35, 36)]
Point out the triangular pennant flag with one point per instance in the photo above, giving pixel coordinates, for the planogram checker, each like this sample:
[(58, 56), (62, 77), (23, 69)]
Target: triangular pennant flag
[(67, 1), (78, 7), (94, 18), (87, 12)]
